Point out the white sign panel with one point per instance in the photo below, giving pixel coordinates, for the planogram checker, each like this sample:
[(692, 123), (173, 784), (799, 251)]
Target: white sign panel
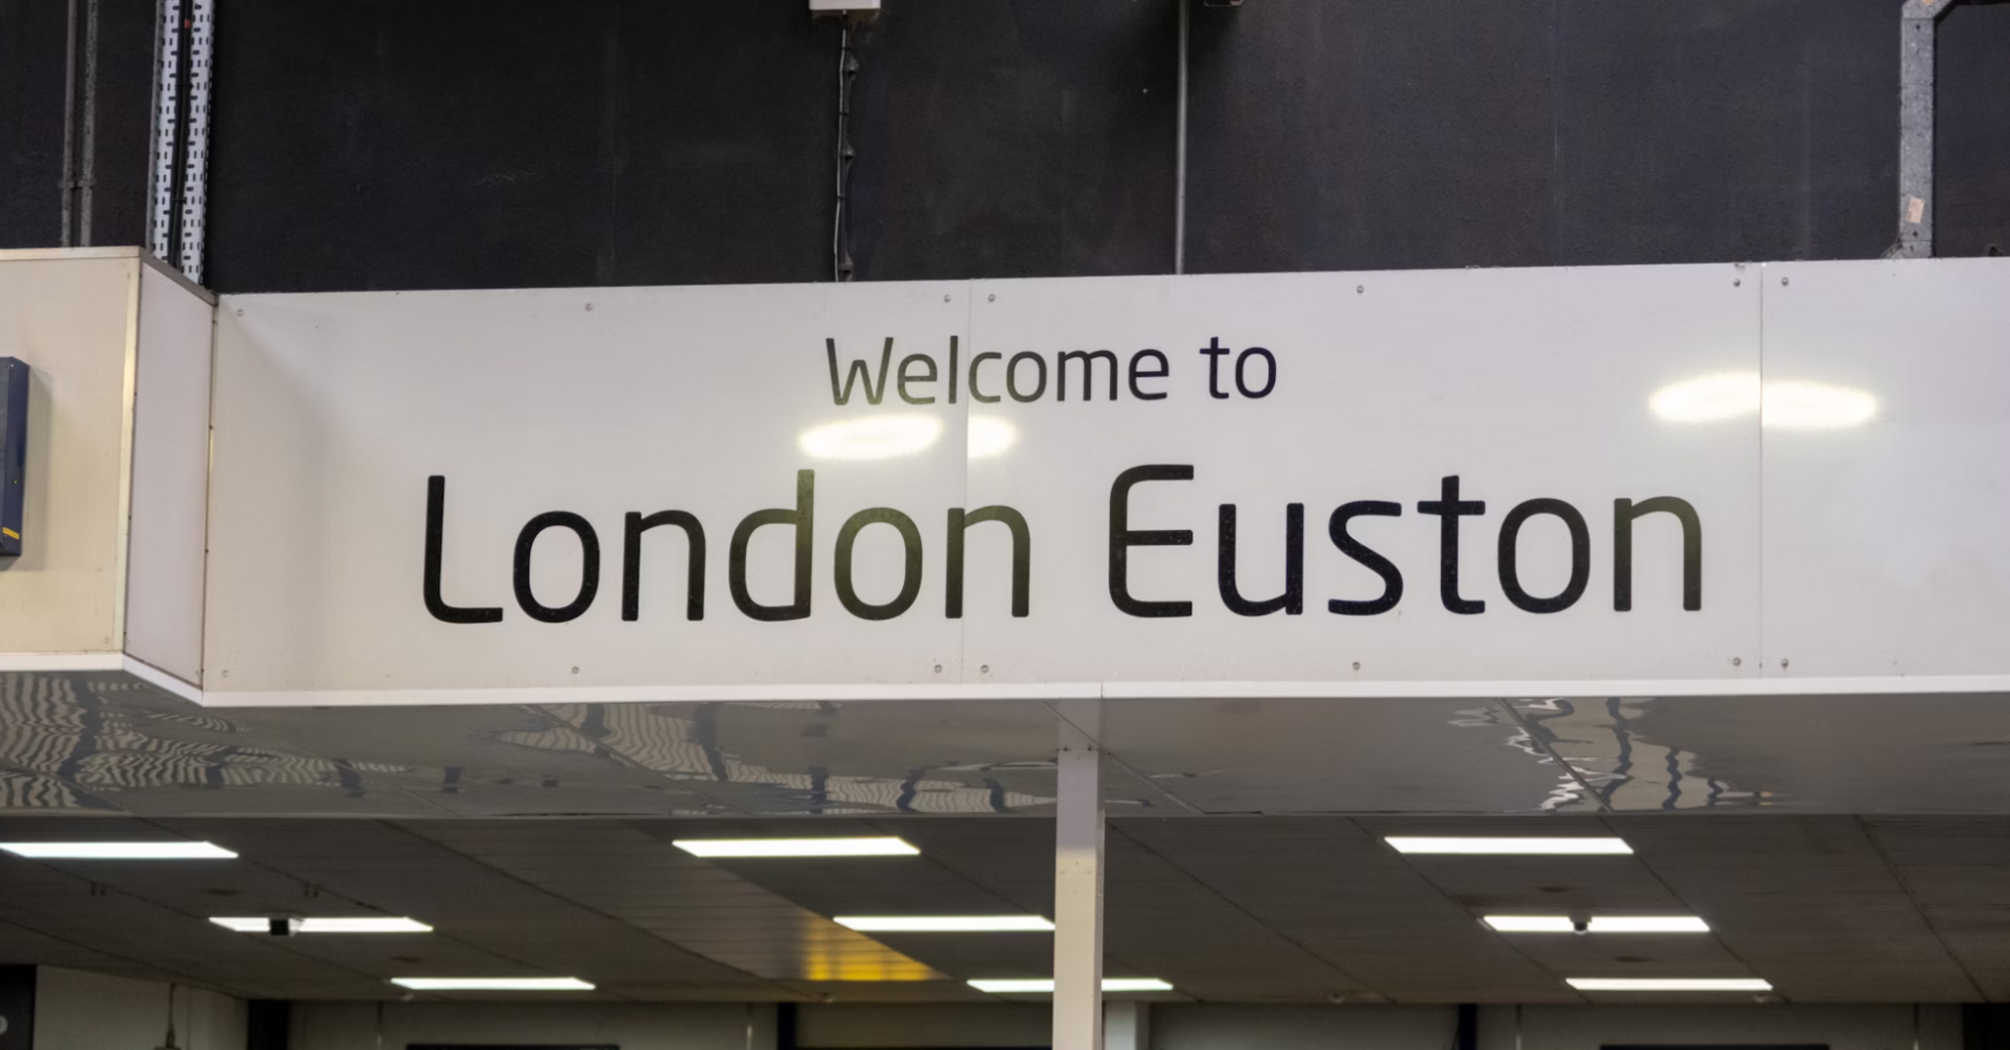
[(1405, 476), (1485, 479)]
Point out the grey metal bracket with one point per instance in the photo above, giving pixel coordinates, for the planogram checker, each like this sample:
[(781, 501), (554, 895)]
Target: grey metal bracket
[(1918, 26)]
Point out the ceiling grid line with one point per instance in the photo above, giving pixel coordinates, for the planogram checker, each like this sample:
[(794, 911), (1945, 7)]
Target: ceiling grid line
[(513, 877), (1454, 902), (1343, 971), (1714, 933), (13, 918), (280, 943), (1898, 873)]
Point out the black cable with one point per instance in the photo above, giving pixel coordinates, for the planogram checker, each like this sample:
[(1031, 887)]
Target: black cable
[(841, 264)]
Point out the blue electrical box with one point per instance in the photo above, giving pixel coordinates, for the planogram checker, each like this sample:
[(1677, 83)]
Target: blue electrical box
[(13, 452)]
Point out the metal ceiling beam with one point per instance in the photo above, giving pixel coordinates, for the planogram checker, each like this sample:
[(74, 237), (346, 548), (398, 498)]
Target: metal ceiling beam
[(1918, 26)]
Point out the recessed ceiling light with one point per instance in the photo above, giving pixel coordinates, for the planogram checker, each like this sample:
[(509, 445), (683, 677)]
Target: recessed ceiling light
[(1668, 984), (493, 984), (1649, 924), (945, 923), (117, 850), (358, 925), (1035, 986), (824, 847), (1603, 924), (1509, 846)]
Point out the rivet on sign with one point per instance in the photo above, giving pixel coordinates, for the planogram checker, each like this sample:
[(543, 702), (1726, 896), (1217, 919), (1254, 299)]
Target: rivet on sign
[(240, 311), (1737, 662), (938, 668), (589, 306), (1359, 288), (1357, 665), (1783, 661), (994, 297), (1784, 281), (1737, 283), (945, 298), (985, 668), (575, 670)]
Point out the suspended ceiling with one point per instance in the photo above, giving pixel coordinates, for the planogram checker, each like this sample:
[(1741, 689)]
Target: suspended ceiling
[(1226, 908), (1840, 847)]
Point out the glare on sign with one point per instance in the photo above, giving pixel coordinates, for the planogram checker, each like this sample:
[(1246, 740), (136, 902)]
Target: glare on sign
[(872, 437), (990, 436), (1781, 404)]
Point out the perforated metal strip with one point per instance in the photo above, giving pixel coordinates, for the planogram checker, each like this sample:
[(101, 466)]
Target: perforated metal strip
[(167, 129), (195, 173)]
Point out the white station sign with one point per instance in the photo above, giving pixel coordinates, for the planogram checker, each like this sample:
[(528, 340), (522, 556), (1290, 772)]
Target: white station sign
[(1068, 487)]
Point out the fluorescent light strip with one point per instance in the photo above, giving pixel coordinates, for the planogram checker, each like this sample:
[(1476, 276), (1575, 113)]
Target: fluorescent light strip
[(493, 984), (1603, 924), (1036, 986), (359, 925), (1578, 845), (1668, 984), (117, 850), (827, 847), (945, 923), (1649, 924)]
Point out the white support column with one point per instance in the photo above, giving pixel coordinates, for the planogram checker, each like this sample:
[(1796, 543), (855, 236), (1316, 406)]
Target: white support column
[(1078, 894), (1127, 1026)]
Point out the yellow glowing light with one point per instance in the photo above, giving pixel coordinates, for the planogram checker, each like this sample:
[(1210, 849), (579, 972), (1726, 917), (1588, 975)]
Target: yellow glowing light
[(873, 437), (990, 436)]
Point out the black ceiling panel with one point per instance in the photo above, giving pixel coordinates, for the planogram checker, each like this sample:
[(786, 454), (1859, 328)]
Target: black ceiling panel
[(1016, 138), (500, 143), (1971, 162), (1349, 135), (33, 39), (1725, 130)]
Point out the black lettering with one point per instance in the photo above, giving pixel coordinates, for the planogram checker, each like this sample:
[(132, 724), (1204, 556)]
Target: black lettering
[(1213, 351), (1269, 372), (1292, 601), (1164, 369), (436, 543), (1088, 359), (1122, 539), (589, 570), (1450, 508), (902, 379), (1012, 376), (1392, 578), (631, 562), (857, 372), (952, 370), (910, 579), (975, 362), (1624, 512), (1580, 555), (803, 520), (1022, 557)]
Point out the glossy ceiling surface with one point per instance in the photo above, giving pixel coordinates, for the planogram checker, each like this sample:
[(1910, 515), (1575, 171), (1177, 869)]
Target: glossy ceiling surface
[(108, 743)]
